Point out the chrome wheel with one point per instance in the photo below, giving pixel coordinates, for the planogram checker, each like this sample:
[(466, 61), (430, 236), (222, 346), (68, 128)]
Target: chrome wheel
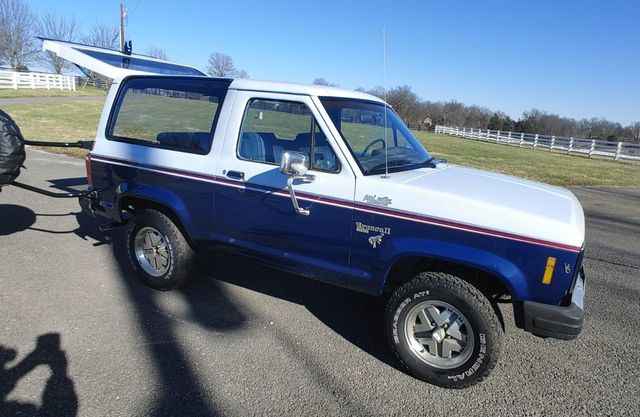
[(152, 251), (438, 334)]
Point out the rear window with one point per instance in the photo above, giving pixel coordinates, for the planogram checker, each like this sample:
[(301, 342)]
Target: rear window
[(141, 64), (178, 114)]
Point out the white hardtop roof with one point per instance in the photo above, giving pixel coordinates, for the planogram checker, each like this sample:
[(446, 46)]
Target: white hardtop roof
[(303, 89), (117, 65)]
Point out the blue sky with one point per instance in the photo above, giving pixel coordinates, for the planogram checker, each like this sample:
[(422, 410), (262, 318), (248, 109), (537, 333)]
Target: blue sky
[(574, 58)]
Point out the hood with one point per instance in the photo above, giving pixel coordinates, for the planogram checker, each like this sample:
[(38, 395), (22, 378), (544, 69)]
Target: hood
[(482, 199)]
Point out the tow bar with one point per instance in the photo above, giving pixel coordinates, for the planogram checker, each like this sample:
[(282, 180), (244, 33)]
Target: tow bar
[(83, 144)]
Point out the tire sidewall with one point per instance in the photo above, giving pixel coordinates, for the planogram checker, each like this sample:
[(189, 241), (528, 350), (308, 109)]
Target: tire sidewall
[(167, 280), (461, 376)]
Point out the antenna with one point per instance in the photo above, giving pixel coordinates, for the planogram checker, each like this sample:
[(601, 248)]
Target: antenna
[(384, 88)]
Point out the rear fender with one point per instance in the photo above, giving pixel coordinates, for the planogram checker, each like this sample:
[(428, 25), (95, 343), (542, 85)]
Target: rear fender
[(157, 195)]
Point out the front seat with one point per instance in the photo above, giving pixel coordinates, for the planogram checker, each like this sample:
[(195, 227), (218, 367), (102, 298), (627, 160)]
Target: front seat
[(252, 147)]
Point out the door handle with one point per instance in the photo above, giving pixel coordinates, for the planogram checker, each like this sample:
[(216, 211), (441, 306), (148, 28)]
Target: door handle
[(236, 175)]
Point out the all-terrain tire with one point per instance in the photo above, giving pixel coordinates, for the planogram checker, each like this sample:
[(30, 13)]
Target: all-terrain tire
[(12, 153), (158, 252), (444, 330)]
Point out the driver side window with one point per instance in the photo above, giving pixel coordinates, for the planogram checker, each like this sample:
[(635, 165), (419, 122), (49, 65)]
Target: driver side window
[(272, 127)]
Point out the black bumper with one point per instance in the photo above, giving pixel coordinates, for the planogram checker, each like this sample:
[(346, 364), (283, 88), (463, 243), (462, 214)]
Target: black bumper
[(560, 322)]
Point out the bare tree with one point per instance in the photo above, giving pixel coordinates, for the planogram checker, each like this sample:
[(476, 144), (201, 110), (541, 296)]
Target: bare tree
[(159, 53), (241, 74), (322, 81), (221, 65), (102, 35), (634, 131), (17, 30), (60, 28)]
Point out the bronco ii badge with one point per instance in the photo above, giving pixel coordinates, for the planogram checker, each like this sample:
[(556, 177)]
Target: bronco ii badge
[(365, 228), (377, 201), (376, 240)]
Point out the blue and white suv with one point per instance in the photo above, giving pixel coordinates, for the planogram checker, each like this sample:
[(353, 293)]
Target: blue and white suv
[(330, 184)]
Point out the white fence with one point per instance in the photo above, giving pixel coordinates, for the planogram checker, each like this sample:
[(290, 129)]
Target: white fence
[(579, 146), (33, 80)]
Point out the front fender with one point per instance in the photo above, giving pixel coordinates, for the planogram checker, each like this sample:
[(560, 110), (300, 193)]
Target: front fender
[(505, 270)]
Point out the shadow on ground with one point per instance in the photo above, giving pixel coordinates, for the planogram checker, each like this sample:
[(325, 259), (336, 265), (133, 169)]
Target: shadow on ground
[(59, 396), (356, 317)]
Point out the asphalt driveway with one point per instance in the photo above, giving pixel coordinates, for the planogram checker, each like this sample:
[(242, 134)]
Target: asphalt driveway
[(79, 335)]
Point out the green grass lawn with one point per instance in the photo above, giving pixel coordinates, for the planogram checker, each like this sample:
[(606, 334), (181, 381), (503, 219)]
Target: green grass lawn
[(27, 92), (75, 120), (538, 165), (72, 120)]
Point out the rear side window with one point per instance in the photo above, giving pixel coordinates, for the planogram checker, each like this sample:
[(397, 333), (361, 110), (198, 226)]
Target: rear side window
[(177, 114)]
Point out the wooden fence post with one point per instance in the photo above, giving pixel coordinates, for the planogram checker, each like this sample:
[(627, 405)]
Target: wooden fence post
[(570, 145), (498, 136), (618, 151), (509, 138)]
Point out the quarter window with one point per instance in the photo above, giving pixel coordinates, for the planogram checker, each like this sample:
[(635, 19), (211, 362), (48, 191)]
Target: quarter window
[(168, 113), (272, 127)]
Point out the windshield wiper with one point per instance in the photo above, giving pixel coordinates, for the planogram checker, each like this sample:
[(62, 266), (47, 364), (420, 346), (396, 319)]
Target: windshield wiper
[(390, 164), (403, 162), (431, 163)]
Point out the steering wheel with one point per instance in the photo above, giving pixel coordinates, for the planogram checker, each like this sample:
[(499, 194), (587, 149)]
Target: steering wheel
[(370, 145)]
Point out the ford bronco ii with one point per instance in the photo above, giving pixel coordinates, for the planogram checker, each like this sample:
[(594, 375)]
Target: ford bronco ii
[(330, 184)]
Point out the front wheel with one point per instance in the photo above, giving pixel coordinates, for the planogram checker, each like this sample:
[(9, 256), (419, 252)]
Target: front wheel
[(444, 330)]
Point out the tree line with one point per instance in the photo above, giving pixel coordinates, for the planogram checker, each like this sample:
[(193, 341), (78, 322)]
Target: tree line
[(418, 112), (19, 48)]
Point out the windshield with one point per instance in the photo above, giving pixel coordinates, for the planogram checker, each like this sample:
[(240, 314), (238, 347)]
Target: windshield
[(362, 126)]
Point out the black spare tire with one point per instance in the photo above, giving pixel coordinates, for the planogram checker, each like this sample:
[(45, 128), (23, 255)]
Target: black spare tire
[(12, 152)]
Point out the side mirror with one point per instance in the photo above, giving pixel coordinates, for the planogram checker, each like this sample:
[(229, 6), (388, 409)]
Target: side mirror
[(293, 163)]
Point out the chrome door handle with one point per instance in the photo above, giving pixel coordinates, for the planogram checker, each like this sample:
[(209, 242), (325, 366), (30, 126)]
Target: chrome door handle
[(236, 175)]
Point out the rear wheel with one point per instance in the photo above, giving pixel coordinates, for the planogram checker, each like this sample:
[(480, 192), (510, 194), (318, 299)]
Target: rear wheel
[(443, 330), (159, 253)]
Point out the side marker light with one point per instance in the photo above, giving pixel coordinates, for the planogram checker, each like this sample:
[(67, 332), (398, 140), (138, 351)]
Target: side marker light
[(548, 270)]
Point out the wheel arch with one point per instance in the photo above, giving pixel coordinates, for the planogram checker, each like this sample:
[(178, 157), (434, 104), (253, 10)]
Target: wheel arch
[(485, 270), (494, 287), (130, 202)]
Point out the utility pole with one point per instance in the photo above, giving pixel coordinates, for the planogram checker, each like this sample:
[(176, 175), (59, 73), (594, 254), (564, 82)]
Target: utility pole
[(123, 17)]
